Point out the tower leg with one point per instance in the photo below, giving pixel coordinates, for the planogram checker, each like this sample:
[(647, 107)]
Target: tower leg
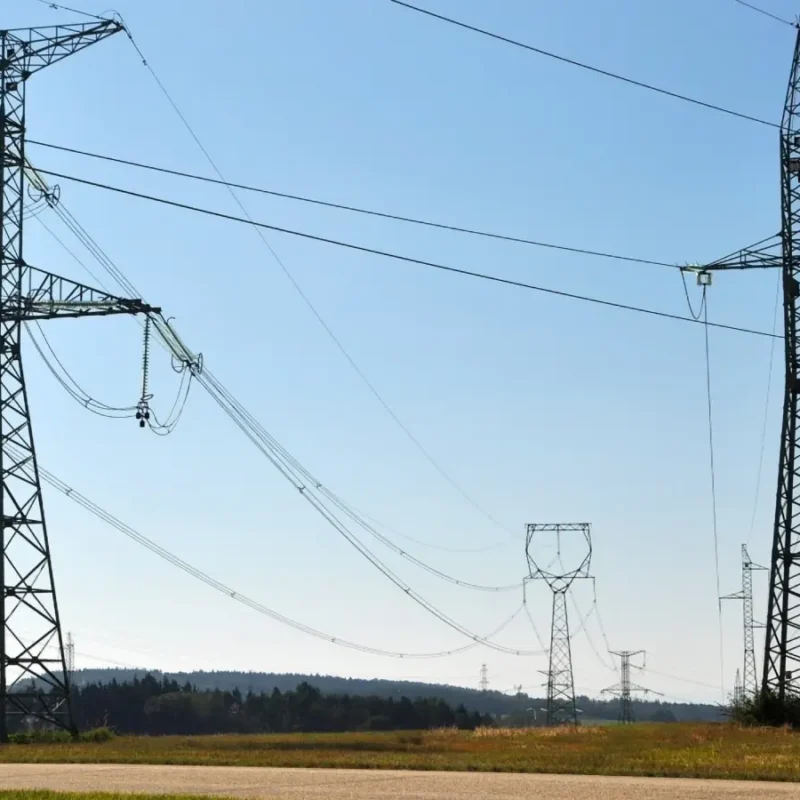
[(34, 670), (625, 704), (33, 679), (560, 686)]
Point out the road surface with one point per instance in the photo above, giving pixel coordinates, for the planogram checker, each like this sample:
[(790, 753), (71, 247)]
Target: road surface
[(328, 784)]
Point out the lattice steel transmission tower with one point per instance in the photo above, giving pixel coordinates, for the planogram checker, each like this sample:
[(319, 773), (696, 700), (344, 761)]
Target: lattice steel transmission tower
[(484, 681), (70, 658), (749, 675), (782, 646), (624, 689), (33, 682), (561, 707), (782, 642)]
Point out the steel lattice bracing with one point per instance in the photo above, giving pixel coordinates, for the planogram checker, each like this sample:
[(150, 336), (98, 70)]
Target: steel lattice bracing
[(782, 649), (561, 707), (750, 679), (624, 689), (34, 682)]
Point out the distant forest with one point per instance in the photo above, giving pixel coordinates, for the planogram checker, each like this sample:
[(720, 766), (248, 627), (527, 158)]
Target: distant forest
[(504, 709), (163, 706)]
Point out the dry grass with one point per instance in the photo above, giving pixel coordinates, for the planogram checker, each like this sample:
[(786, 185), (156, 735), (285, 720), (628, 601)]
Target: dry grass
[(36, 794), (684, 750)]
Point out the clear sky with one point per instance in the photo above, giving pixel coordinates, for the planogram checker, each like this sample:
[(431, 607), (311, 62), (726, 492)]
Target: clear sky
[(543, 409)]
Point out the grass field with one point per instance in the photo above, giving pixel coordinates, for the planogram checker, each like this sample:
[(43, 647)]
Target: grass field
[(677, 750)]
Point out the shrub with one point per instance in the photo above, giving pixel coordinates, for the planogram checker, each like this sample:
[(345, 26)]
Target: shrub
[(766, 709)]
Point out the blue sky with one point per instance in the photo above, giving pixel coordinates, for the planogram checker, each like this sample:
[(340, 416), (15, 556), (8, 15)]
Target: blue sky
[(543, 409)]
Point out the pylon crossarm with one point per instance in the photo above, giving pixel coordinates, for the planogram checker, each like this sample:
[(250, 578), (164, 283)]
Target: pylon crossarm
[(734, 596), (760, 255), (44, 295), (29, 50), (644, 690)]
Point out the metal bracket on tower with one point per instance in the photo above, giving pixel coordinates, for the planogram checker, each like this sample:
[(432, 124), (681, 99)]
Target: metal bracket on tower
[(703, 274)]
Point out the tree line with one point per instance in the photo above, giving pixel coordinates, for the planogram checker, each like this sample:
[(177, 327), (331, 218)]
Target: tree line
[(163, 706), (501, 706)]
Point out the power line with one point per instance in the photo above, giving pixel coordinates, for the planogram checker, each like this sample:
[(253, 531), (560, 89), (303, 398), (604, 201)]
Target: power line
[(431, 545), (358, 209), (365, 525), (64, 246), (176, 561), (678, 678), (580, 64), (85, 400), (713, 484), (307, 485), (298, 476), (766, 13), (59, 7), (766, 414), (310, 305), (600, 620), (429, 457), (402, 258), (132, 290), (588, 637), (72, 387)]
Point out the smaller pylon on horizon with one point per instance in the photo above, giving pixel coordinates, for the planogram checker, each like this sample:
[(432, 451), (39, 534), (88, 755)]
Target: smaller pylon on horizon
[(749, 674), (484, 682), (625, 688), (70, 658)]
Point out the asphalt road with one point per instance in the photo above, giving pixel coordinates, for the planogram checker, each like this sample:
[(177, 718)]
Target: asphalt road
[(257, 783)]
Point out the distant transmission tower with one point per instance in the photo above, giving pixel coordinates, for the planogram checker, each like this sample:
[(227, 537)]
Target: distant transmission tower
[(625, 688), (70, 658), (484, 682), (561, 707), (33, 684), (750, 678)]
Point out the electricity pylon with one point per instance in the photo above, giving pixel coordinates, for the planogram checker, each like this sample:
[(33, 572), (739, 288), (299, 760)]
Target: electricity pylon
[(781, 672), (624, 688), (70, 658), (484, 681), (750, 678), (561, 707), (782, 646), (32, 683)]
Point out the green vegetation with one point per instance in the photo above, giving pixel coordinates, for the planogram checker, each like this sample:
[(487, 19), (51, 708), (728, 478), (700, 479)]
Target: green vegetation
[(766, 709), (709, 750), (164, 707), (62, 737), (513, 708)]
